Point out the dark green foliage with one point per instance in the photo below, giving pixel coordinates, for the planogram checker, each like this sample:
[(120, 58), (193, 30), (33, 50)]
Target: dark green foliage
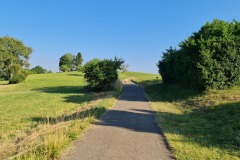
[(69, 62), (14, 57), (78, 62), (209, 58), (38, 70), (17, 78), (65, 63), (101, 74)]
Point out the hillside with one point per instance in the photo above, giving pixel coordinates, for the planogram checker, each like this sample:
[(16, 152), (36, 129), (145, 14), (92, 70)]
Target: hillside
[(45, 104)]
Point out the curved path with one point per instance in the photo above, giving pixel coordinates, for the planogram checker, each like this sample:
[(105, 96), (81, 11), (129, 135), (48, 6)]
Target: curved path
[(126, 132)]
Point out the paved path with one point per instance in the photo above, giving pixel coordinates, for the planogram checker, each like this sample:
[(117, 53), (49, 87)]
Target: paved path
[(126, 132)]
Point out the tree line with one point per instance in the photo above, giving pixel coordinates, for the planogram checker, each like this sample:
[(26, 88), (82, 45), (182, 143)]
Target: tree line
[(209, 58), (14, 65), (69, 62)]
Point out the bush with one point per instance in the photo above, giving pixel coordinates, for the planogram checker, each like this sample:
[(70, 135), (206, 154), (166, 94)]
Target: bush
[(101, 74), (38, 70), (209, 58), (17, 78), (64, 68)]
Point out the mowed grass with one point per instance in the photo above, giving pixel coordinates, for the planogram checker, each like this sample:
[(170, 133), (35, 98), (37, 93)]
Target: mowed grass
[(43, 95), (51, 104), (3, 82), (197, 125), (139, 77)]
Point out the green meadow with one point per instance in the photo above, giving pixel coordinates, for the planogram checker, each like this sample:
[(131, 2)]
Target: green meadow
[(43, 115), (43, 105)]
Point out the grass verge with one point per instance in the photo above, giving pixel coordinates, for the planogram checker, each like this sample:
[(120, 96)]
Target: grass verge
[(197, 125)]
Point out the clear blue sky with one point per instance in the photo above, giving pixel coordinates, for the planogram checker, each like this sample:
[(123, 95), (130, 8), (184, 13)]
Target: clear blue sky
[(135, 30)]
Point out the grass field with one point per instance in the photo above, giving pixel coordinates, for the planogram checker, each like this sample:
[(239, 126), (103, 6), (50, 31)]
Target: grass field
[(47, 112), (139, 77), (47, 105), (197, 125), (3, 82)]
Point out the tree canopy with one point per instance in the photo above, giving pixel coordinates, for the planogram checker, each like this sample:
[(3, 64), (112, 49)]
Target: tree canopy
[(78, 61), (65, 63), (69, 62), (14, 56), (210, 58), (38, 70)]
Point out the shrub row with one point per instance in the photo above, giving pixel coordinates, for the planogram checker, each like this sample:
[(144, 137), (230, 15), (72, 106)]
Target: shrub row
[(210, 58)]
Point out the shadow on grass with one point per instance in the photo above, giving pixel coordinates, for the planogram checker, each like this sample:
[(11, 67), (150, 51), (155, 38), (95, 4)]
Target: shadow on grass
[(169, 93), (95, 111), (218, 126), (63, 89), (75, 74), (212, 126), (78, 94)]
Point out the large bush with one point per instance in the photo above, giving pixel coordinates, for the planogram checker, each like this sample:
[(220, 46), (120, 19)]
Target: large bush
[(210, 58), (101, 74), (18, 78)]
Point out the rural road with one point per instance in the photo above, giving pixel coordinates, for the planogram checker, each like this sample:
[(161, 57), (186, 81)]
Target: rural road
[(126, 132)]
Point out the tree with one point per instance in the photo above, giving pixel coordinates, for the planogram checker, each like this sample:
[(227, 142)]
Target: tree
[(124, 68), (78, 61), (65, 63), (38, 70), (101, 74), (14, 56), (210, 58)]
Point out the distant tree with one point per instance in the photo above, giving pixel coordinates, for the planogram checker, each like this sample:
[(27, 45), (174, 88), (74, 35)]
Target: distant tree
[(65, 63), (38, 70), (64, 68), (101, 74), (124, 67), (14, 56), (78, 62)]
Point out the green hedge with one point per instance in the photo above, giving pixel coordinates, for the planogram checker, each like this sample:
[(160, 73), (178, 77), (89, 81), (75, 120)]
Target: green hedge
[(210, 58)]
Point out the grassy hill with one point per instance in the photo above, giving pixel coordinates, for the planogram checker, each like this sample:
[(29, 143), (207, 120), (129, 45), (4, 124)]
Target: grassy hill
[(47, 105), (44, 114), (197, 125)]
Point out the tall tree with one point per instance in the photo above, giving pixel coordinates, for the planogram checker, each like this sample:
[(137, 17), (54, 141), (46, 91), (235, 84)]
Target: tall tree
[(78, 61), (14, 56)]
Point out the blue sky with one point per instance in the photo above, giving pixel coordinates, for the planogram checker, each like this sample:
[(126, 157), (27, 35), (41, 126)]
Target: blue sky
[(135, 30)]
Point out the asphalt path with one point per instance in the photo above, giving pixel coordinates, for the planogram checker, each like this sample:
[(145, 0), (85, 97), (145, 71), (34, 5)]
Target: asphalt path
[(128, 131)]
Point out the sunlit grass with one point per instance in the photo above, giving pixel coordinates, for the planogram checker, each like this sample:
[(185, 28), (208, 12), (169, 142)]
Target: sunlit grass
[(197, 125), (139, 77), (3, 82), (27, 109)]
